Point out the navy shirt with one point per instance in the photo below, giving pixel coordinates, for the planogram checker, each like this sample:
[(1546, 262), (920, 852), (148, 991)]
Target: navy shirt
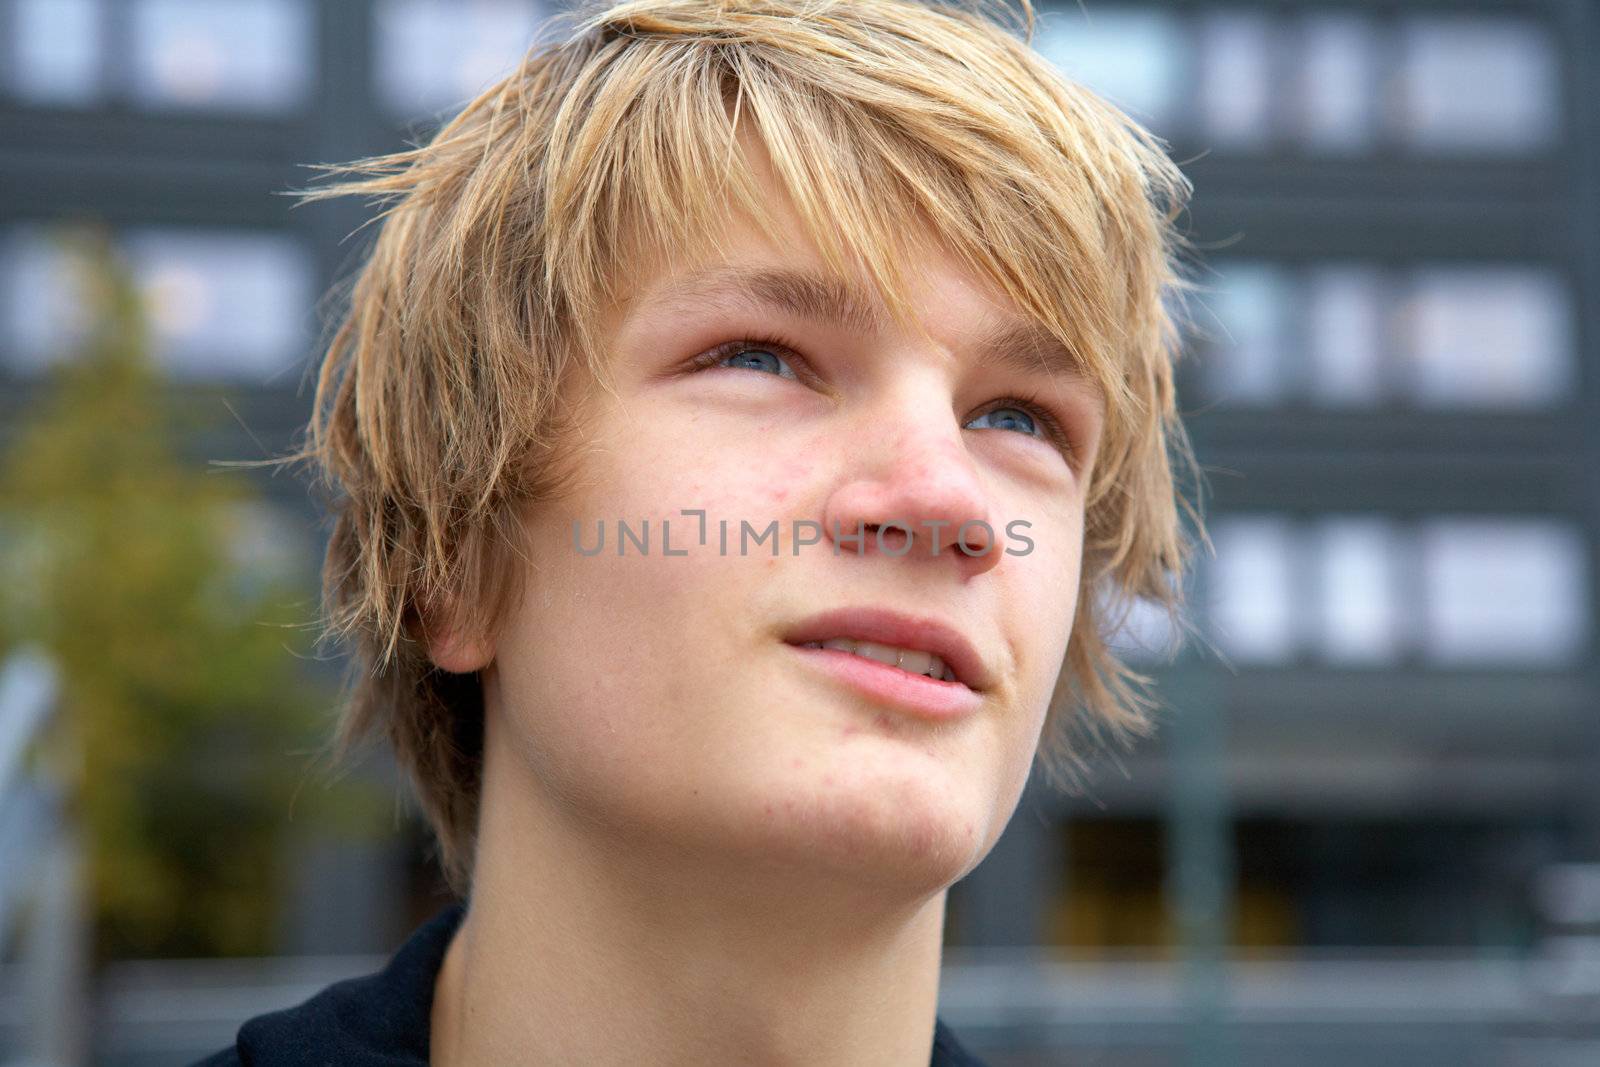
[(382, 1019)]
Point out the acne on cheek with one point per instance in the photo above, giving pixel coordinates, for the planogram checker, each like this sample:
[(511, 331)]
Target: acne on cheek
[(756, 491), (768, 488), (790, 473)]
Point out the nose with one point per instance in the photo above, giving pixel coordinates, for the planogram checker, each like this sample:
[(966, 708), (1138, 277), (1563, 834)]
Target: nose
[(910, 488)]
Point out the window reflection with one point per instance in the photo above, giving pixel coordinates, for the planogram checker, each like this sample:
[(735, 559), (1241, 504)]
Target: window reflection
[(1235, 77), (224, 305), (58, 50), (43, 290), (218, 304), (1252, 603), (1358, 608), (250, 55), (1134, 58), (1476, 83), (1480, 336), (1452, 591), (1345, 335), (1336, 87), (436, 55), (1248, 328), (1493, 336), (1320, 80), (1238, 52), (1504, 591)]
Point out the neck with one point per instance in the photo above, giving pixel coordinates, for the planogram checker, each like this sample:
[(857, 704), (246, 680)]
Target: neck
[(585, 944)]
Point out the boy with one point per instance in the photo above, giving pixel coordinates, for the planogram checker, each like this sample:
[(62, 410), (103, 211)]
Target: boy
[(746, 427)]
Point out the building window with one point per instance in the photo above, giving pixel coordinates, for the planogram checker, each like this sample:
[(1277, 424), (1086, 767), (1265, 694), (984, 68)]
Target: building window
[(1247, 334), (219, 305), (1357, 335), (1134, 58), (432, 56), (1476, 84), (1238, 80), (43, 290), (1335, 88), (1489, 336), (1346, 335), (1365, 591), (1256, 613), (1509, 591), (225, 305), (237, 55), (1319, 81), (1358, 611), (58, 51)]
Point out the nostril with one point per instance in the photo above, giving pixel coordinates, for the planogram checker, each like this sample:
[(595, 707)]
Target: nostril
[(895, 538)]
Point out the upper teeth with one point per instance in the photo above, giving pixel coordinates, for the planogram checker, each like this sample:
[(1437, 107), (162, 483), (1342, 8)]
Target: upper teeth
[(907, 659)]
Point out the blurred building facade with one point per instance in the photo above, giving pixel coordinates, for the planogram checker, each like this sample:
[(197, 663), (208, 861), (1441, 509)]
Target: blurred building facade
[(1392, 385)]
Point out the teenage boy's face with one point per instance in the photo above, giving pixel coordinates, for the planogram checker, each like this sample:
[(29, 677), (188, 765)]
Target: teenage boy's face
[(662, 697)]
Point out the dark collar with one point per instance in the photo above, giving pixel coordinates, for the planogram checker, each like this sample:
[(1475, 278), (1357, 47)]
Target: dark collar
[(383, 1019), (379, 1020)]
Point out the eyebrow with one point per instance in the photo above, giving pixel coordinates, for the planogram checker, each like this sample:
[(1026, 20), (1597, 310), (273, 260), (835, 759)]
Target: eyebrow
[(1018, 345)]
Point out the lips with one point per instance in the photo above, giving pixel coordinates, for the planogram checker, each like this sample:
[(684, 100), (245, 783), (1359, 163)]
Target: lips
[(888, 627)]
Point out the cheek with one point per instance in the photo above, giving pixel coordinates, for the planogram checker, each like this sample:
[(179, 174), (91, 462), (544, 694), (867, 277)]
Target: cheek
[(1045, 586), (612, 656), (663, 474), (1054, 559), (601, 661)]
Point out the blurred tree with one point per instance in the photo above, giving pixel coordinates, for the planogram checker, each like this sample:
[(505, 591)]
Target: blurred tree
[(186, 713)]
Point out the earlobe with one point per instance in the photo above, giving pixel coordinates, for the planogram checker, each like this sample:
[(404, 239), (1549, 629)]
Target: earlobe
[(452, 650)]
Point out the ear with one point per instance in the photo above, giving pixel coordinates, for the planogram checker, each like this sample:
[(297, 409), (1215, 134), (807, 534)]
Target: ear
[(452, 649), (458, 656)]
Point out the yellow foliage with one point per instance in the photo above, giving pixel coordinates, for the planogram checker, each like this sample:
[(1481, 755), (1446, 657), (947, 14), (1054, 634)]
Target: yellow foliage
[(185, 715)]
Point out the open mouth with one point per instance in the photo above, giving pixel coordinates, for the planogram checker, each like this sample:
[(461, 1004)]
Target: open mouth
[(908, 660), (915, 664), (883, 679), (919, 646)]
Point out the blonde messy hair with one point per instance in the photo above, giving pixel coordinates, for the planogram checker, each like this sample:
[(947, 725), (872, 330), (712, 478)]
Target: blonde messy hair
[(435, 419)]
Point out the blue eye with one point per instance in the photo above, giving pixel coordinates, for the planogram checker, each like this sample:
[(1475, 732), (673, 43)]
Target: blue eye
[(1008, 419), (762, 359)]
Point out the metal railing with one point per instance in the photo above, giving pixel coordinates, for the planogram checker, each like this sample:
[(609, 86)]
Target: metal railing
[(42, 895)]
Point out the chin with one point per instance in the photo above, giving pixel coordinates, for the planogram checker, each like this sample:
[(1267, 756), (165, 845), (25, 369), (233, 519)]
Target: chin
[(925, 834)]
